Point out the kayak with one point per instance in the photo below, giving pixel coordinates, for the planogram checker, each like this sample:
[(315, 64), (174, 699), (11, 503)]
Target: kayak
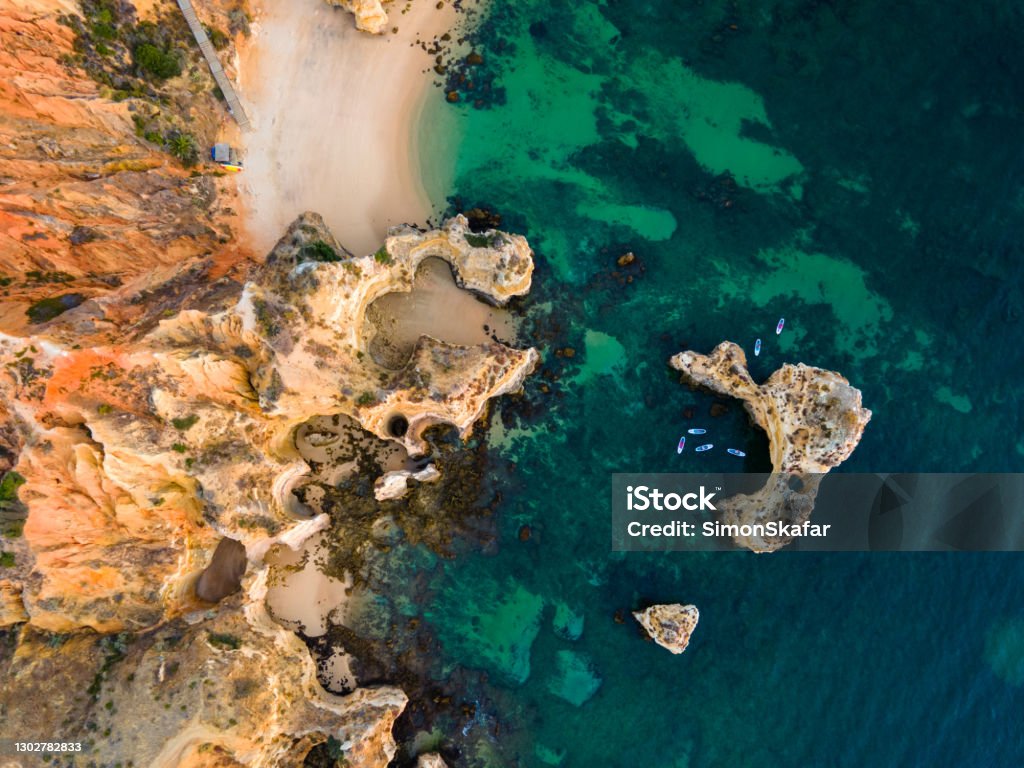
[(778, 328), (682, 444), (696, 431), (705, 447), (735, 452), (757, 348)]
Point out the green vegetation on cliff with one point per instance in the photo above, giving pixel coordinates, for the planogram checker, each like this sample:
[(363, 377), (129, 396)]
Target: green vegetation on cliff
[(318, 250), (47, 309), (155, 62)]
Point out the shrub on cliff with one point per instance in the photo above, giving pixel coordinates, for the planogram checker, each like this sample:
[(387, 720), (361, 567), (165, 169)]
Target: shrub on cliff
[(47, 309), (183, 146), (155, 62), (105, 17), (318, 250), (9, 489), (12, 511), (218, 38), (238, 21)]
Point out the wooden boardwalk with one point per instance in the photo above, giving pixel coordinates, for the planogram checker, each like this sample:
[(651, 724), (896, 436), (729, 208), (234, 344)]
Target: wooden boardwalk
[(234, 105)]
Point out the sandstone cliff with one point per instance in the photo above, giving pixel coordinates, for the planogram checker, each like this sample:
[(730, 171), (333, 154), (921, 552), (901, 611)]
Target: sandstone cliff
[(369, 14), (670, 626), (91, 194), (227, 688), (153, 421)]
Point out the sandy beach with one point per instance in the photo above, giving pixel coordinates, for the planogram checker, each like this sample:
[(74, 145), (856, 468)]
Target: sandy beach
[(335, 114)]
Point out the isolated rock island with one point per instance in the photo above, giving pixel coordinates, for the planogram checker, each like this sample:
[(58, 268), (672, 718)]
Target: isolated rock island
[(814, 419), (670, 626)]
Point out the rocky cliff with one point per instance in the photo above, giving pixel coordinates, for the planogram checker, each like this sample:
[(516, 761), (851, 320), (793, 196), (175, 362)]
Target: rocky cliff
[(106, 114), (370, 15), (670, 626), (814, 419), (151, 422)]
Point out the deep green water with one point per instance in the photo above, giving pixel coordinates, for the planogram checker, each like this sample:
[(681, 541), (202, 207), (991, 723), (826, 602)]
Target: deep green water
[(875, 198)]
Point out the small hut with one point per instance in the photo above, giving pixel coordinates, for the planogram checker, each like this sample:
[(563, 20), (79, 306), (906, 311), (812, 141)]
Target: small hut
[(225, 155)]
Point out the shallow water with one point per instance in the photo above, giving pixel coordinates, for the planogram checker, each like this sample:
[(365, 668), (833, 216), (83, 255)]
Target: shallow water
[(875, 198)]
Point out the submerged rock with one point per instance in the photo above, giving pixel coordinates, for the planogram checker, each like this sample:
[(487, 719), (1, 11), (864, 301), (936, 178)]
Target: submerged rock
[(670, 626), (574, 679), (549, 755), (814, 419), (567, 623), (492, 624), (1004, 651)]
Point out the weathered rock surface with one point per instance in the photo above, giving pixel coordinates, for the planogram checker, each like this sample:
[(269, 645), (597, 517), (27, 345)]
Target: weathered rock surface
[(233, 686), (145, 449), (370, 15), (493, 264), (670, 626), (814, 419), (12, 609), (162, 417), (394, 485), (223, 576), (85, 203), (432, 760)]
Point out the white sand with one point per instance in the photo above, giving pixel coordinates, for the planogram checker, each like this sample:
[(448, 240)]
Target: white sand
[(436, 307), (306, 598), (335, 114)]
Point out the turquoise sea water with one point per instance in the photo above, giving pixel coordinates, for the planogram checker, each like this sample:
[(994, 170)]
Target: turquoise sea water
[(857, 167)]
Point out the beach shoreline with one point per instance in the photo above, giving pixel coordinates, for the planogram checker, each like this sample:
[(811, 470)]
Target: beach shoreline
[(335, 116)]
